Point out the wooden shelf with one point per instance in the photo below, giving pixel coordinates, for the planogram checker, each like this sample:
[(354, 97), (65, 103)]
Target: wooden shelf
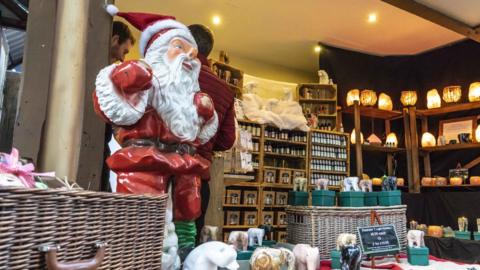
[(256, 138), (449, 109), (283, 155), (329, 158), (241, 184), (241, 205), (275, 205), (239, 226), (374, 112), (327, 115), (329, 187), (329, 172), (316, 100), (379, 148), (282, 168), (246, 121), (284, 141), (255, 153), (227, 66), (451, 186), (451, 147), (276, 185), (329, 145), (329, 132), (279, 226)]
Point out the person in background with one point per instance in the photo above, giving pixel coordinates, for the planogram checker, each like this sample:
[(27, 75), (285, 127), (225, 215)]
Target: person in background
[(223, 100), (121, 42)]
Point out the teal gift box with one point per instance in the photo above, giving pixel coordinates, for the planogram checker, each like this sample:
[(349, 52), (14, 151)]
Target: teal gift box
[(244, 255), (371, 198), (390, 198), (268, 243), (298, 198), (463, 235), (323, 198), (476, 236), (351, 198), (418, 255), (335, 258)]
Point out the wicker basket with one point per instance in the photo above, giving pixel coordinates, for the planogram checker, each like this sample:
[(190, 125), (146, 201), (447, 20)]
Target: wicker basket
[(320, 226), (132, 227)]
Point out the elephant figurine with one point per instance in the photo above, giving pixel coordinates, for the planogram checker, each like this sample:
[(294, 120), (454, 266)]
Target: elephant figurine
[(208, 233), (351, 257), (300, 184), (413, 224), (268, 229), (366, 185), (255, 233), (306, 257), (463, 224), (321, 184), (239, 240), (272, 259), (415, 238), (350, 184), (448, 232), (210, 256), (389, 183)]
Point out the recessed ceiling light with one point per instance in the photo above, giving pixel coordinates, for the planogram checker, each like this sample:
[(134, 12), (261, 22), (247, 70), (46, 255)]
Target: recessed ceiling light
[(318, 49), (372, 17), (216, 20)]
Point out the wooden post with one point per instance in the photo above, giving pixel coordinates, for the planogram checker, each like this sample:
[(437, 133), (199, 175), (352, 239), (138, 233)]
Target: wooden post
[(214, 214), (389, 155), (426, 157), (9, 110), (414, 139), (35, 85), (408, 148), (358, 139)]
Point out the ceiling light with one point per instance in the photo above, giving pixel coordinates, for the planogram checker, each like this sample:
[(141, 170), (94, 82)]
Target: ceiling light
[(372, 18), (216, 20), (317, 49)]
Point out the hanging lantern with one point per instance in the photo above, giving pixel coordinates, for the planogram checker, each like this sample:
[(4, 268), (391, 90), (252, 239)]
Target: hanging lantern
[(408, 98), (477, 134), (352, 96), (474, 92), (391, 140), (433, 99), (452, 93), (368, 97), (428, 140), (385, 102), (352, 137)]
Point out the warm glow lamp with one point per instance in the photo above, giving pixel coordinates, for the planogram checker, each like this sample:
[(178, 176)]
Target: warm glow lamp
[(433, 99), (385, 102), (368, 97), (474, 92), (391, 140), (477, 134), (452, 93), (352, 96), (352, 137), (428, 140), (408, 97)]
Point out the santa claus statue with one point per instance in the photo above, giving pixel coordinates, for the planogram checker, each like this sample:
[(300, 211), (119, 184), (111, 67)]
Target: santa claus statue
[(158, 113)]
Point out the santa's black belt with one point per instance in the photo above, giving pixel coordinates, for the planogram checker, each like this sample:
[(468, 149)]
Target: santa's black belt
[(181, 148)]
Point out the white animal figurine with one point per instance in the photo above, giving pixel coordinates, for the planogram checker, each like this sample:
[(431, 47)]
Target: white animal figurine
[(350, 184), (365, 185), (272, 259), (210, 256), (208, 233), (255, 233), (10, 180), (300, 184), (239, 240), (415, 238), (306, 257), (321, 184), (346, 239)]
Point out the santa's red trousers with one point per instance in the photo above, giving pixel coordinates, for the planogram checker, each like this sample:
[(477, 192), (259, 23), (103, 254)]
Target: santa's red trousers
[(146, 170)]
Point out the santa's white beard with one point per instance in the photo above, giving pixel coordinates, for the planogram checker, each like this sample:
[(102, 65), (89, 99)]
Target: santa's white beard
[(173, 93)]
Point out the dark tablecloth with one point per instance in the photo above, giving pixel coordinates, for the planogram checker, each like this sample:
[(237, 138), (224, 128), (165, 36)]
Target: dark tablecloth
[(453, 249)]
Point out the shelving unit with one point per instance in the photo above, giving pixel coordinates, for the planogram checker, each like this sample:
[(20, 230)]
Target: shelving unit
[(319, 100), (232, 76)]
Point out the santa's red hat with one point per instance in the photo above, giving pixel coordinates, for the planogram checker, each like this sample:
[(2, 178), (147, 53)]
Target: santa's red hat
[(154, 27)]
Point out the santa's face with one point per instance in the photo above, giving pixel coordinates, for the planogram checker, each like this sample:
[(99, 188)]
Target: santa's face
[(179, 46)]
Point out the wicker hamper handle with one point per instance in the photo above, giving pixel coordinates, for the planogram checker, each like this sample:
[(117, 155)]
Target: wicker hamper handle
[(54, 264)]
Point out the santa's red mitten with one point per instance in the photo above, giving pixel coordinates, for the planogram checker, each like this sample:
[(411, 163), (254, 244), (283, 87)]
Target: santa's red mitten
[(204, 105), (132, 76)]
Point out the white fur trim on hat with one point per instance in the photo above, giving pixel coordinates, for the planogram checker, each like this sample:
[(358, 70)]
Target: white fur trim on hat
[(112, 10), (177, 29)]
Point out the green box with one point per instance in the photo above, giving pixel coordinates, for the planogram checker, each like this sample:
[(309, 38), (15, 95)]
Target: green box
[(268, 243), (323, 198), (476, 236), (335, 259), (390, 198), (418, 255), (298, 198), (371, 198), (244, 255), (463, 235), (351, 198)]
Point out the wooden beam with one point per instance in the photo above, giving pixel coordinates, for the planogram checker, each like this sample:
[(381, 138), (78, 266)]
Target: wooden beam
[(35, 85), (16, 9), (214, 214), (426, 157), (408, 147), (389, 155), (358, 141), (9, 110), (435, 17), (414, 146), (472, 163)]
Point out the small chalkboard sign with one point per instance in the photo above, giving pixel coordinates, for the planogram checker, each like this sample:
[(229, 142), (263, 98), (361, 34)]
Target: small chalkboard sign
[(379, 240)]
